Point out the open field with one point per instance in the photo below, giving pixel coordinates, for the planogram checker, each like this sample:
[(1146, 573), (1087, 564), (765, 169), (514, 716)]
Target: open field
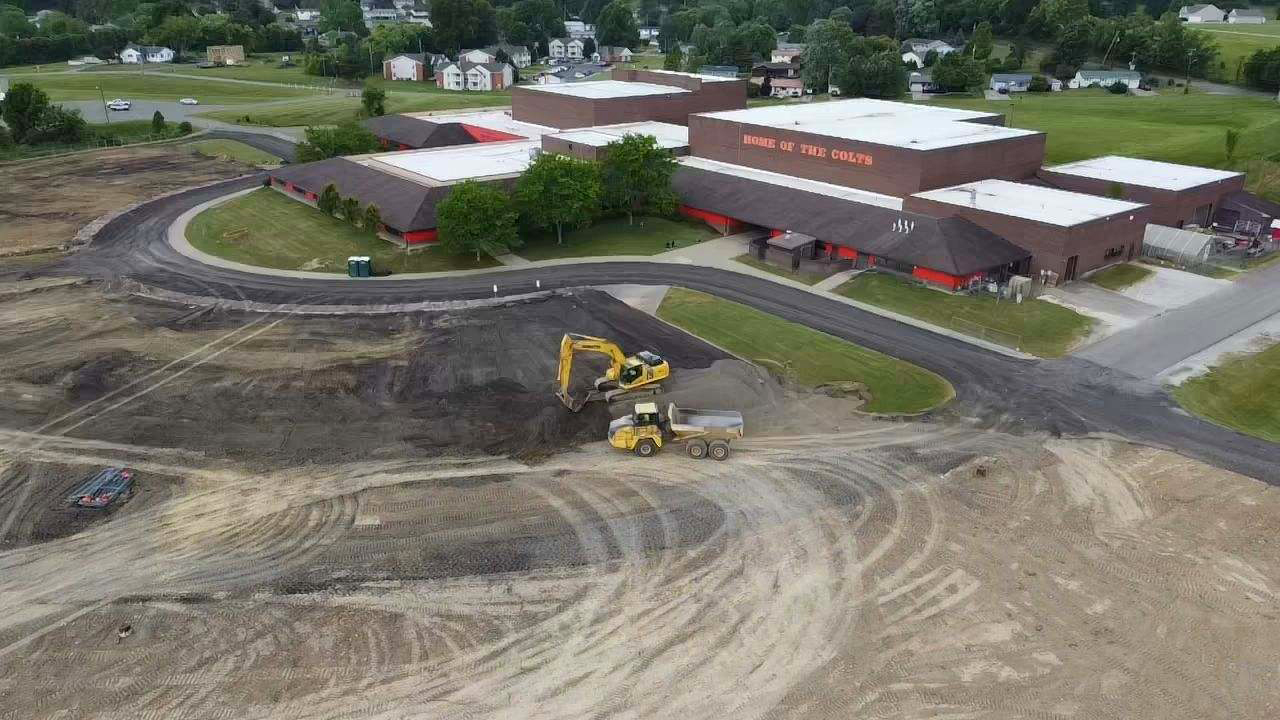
[(614, 236), (805, 356), (266, 228), (1119, 277), (1171, 127), (1041, 328), (328, 522), (1240, 393), (130, 86), (333, 109), (44, 202), (233, 150)]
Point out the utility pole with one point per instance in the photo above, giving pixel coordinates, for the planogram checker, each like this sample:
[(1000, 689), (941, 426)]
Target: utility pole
[(105, 112)]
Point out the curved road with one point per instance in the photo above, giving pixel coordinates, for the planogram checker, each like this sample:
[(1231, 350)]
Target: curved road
[(1070, 395)]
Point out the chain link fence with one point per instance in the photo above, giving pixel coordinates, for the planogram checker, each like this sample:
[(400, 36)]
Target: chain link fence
[(984, 332)]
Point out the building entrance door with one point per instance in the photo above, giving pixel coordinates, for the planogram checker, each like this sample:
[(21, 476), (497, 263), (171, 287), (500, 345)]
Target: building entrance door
[(1070, 274)]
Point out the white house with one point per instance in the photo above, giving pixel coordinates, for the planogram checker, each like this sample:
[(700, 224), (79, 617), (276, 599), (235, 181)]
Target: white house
[(138, 54), (465, 75), (579, 30), (1017, 82), (565, 48), (479, 56), (374, 16), (417, 67), (519, 54), (786, 52), (1201, 14), (1105, 78), (785, 87), (304, 15), (612, 54), (649, 33), (915, 50), (1246, 16), (418, 17)]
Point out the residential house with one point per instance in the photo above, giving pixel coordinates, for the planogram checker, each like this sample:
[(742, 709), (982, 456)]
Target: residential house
[(479, 56), (225, 54), (649, 34), (1105, 78), (481, 77), (519, 54), (787, 52), (1201, 14), (1246, 16), (574, 73), (784, 87), (418, 67), (138, 54), (775, 70), (565, 48), (578, 30), (303, 15), (1010, 82), (415, 16), (921, 81), (381, 12), (612, 54), (915, 50)]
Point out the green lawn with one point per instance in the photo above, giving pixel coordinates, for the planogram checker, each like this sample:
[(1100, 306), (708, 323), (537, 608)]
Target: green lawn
[(647, 61), (1172, 127), (233, 150), (805, 277), (333, 109), (1240, 394), (130, 129), (289, 235), (811, 358), (1237, 42), (615, 237), (1213, 271), (1040, 328), (132, 86), (1119, 277)]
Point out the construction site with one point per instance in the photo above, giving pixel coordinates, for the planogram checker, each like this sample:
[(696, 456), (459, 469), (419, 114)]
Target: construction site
[(396, 516)]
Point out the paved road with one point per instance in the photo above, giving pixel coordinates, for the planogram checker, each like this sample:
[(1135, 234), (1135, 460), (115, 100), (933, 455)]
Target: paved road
[(1071, 395), (141, 110), (280, 147), (1162, 342)]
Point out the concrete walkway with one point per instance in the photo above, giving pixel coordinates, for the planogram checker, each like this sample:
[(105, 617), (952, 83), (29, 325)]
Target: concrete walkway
[(718, 253), (1113, 311), (835, 281)]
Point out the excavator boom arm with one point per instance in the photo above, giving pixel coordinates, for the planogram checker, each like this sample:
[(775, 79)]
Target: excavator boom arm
[(573, 343)]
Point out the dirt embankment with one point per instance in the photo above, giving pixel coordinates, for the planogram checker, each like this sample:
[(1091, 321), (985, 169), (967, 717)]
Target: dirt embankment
[(44, 202)]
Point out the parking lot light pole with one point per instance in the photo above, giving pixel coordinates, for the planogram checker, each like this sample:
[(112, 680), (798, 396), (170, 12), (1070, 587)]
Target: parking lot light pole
[(105, 112)]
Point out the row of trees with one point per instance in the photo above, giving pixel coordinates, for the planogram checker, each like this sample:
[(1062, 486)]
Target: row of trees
[(32, 119), (559, 193), (330, 202)]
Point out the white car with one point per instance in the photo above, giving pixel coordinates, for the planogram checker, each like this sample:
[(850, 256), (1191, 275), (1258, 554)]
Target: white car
[(188, 101), (118, 104)]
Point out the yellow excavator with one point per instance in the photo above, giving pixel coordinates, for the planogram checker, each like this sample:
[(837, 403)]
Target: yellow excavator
[(627, 377)]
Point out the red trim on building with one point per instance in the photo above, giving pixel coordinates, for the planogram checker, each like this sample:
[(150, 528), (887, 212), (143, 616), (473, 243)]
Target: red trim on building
[(312, 196), (480, 134), (723, 223), (419, 237), (775, 233), (844, 253)]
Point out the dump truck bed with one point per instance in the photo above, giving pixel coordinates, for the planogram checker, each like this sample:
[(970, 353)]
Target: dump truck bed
[(713, 424)]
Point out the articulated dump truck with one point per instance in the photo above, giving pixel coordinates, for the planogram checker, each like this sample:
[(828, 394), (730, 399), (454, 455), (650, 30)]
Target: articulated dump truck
[(703, 432)]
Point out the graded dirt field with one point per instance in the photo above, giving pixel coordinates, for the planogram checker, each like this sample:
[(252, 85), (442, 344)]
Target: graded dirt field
[(391, 517), (44, 202)]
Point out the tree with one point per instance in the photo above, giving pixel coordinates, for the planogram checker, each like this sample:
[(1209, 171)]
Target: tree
[(329, 199), (956, 73), (13, 22), (673, 59), (982, 42), (1232, 139), (373, 101), (57, 124), (343, 16), (558, 190), (178, 32), (1039, 83), (588, 47), (372, 219), (351, 211), (636, 177), (842, 14), (477, 218), (348, 138), (616, 25), (1118, 88), (24, 106), (879, 75), (157, 123), (796, 34), (829, 45), (459, 24)]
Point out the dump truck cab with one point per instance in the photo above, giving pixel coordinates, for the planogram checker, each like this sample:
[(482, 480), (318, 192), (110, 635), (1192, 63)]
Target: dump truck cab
[(704, 433), (640, 432)]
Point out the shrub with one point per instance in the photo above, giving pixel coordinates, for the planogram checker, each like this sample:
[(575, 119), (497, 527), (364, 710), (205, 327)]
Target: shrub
[(1039, 83), (184, 127), (157, 123), (1118, 88)]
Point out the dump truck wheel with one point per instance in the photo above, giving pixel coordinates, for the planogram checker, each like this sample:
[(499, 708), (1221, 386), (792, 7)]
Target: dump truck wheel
[(719, 450), (697, 449), (646, 448)]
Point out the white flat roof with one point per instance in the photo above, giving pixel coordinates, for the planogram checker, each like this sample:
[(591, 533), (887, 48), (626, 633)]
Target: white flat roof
[(1030, 202), (499, 120), (1144, 173), (667, 134), (604, 89), (882, 122), (447, 165), (700, 76), (813, 186)]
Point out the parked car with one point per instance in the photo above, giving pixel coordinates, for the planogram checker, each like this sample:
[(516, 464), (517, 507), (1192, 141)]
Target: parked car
[(189, 101), (119, 104)]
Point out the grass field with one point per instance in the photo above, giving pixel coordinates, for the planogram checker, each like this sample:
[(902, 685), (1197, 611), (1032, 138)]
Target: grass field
[(333, 109), (84, 86), (1043, 328), (288, 235), (1240, 394), (130, 129), (813, 358), (804, 277), (233, 150), (647, 61), (1119, 277), (1172, 127), (615, 237)]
